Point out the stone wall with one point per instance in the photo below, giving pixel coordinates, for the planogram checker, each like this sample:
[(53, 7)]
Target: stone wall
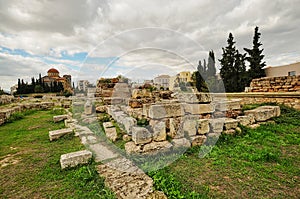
[(6, 99), (276, 84), (5, 113), (291, 99)]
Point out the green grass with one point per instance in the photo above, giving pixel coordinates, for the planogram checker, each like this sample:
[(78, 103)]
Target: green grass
[(34, 169), (259, 163)]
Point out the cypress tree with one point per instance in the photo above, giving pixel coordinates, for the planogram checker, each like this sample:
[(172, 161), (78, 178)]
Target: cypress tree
[(233, 69), (227, 71), (255, 58), (211, 69)]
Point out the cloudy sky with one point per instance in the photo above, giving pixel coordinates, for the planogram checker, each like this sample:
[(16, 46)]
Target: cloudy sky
[(139, 39)]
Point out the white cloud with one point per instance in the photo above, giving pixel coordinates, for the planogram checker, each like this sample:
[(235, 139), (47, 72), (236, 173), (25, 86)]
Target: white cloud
[(48, 28)]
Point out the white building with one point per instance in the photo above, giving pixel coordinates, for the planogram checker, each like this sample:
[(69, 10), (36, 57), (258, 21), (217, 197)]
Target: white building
[(82, 85), (162, 81)]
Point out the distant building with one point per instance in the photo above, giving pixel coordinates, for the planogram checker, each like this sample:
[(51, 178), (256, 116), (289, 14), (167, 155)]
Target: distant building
[(83, 85), (285, 70), (184, 76), (162, 81), (148, 82), (53, 76)]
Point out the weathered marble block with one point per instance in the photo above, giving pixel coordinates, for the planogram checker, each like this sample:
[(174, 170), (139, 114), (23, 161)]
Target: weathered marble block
[(54, 135), (264, 113), (75, 158), (230, 123), (141, 135), (59, 118), (160, 111)]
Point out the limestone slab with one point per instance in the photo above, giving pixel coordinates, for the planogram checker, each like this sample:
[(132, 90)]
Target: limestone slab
[(58, 118), (54, 135), (75, 158), (141, 135)]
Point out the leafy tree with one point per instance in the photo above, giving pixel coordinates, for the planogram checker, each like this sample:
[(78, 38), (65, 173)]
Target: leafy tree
[(232, 67), (255, 58), (38, 89)]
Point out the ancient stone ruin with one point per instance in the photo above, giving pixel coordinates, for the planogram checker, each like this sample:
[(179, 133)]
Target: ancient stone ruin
[(174, 119), (276, 84)]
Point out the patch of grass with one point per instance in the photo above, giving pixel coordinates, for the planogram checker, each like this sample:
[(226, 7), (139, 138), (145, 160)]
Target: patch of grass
[(36, 172), (19, 115), (259, 163), (58, 111), (142, 122), (174, 189)]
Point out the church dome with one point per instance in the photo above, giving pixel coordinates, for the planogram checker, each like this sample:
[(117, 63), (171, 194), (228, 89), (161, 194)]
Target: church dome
[(52, 70)]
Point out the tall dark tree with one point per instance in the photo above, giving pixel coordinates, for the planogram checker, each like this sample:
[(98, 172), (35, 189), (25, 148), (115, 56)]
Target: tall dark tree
[(232, 67), (255, 58), (227, 64), (211, 68), (199, 76), (240, 71)]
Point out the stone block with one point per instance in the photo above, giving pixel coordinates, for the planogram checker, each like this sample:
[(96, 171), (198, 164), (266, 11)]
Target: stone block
[(107, 125), (126, 138), (230, 123), (111, 133), (146, 110), (88, 108), (128, 123), (229, 132), (70, 123), (75, 158), (175, 125), (195, 98), (246, 120), (59, 118), (264, 113), (141, 135), (197, 109), (101, 109), (165, 111), (203, 126), (159, 130), (54, 135), (198, 140), (190, 126), (216, 125), (181, 142), (155, 147), (135, 103), (225, 105), (131, 147)]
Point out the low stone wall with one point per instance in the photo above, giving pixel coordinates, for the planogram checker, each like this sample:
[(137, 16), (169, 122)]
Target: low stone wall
[(276, 84), (6, 99), (7, 112), (291, 99)]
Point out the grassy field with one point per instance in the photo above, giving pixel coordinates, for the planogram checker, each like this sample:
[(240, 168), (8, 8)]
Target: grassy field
[(30, 162), (259, 163)]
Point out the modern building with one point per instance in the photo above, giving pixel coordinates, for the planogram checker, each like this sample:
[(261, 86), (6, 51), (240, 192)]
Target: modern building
[(53, 76), (83, 85), (284, 70), (162, 81)]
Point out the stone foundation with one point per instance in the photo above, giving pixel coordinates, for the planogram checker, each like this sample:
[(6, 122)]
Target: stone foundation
[(276, 84)]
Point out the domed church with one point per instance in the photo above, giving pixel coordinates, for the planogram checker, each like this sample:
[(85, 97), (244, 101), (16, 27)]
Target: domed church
[(53, 76)]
